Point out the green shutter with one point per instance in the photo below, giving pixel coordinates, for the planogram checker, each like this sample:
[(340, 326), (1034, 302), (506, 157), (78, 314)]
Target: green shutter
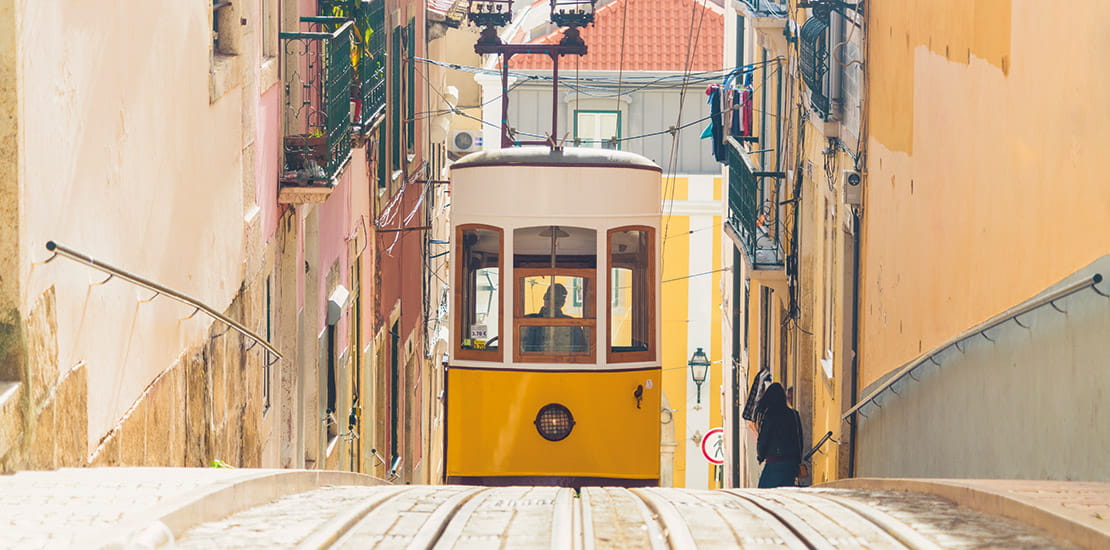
[(395, 116), (410, 100), (383, 162)]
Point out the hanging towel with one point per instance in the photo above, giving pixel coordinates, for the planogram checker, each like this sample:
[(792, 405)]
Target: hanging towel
[(735, 108), (715, 123), (755, 393)]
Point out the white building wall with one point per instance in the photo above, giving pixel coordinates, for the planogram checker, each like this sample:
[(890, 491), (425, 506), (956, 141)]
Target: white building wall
[(125, 159), (701, 309)]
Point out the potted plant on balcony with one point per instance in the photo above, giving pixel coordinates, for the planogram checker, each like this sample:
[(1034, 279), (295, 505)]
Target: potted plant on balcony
[(302, 148)]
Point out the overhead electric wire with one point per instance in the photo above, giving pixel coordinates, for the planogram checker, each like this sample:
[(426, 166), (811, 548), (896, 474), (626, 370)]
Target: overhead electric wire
[(688, 77), (673, 158), (620, 64), (459, 111), (651, 77)]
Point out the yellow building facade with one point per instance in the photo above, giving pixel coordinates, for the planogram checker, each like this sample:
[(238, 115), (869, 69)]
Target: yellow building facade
[(692, 272), (983, 191), (1030, 134), (929, 176), (791, 217)]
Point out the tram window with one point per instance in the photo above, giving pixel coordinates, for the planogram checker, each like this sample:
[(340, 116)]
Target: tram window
[(479, 293), (555, 296), (631, 294), (555, 246), (564, 341), (555, 315)]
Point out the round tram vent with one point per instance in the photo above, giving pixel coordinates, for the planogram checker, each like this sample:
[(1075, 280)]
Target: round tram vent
[(554, 422)]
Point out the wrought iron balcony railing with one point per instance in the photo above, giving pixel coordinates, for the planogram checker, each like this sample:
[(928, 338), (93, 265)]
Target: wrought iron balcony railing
[(813, 61), (367, 56), (372, 65), (765, 8), (753, 212), (318, 99)]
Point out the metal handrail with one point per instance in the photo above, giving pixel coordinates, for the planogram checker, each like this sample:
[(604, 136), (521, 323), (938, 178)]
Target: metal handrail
[(979, 330), (817, 447), (159, 290)]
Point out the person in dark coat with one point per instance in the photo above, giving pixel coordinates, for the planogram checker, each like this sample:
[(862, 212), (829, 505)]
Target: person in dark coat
[(780, 439)]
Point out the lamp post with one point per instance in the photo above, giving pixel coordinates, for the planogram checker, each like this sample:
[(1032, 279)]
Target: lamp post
[(699, 369)]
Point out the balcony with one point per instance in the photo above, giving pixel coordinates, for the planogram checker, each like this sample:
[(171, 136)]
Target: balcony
[(371, 70), (317, 143), (753, 212), (769, 9), (367, 57), (813, 62)]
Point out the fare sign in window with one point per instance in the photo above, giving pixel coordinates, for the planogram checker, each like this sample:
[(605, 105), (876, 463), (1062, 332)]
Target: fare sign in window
[(478, 292)]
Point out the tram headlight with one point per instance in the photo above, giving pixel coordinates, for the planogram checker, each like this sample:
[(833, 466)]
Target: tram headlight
[(554, 422)]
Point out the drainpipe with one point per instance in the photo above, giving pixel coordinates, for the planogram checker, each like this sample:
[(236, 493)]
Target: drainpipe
[(855, 344)]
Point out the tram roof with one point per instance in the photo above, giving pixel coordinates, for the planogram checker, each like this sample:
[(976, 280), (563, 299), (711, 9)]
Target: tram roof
[(545, 156)]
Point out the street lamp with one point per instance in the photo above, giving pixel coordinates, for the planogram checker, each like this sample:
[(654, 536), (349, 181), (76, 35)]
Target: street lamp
[(699, 369)]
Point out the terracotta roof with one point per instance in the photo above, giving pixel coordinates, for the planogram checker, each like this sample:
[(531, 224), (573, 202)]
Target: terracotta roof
[(657, 38)]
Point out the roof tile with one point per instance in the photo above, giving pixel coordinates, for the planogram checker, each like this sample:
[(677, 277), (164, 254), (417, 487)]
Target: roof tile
[(657, 36)]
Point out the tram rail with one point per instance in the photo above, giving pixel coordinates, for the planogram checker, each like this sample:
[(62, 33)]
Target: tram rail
[(602, 518)]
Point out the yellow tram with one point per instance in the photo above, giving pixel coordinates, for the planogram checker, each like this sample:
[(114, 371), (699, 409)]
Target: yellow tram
[(554, 370)]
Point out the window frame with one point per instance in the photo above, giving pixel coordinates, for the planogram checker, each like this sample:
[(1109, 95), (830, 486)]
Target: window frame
[(631, 356), (600, 142), (224, 48), (519, 320), (224, 17), (497, 355)]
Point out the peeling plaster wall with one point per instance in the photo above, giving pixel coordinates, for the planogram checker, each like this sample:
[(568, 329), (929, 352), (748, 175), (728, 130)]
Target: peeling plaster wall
[(124, 158), (9, 193), (985, 155)]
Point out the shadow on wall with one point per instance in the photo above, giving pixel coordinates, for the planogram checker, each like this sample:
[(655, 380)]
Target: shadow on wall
[(1024, 401)]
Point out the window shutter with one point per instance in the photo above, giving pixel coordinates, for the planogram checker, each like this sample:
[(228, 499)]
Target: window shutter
[(814, 61)]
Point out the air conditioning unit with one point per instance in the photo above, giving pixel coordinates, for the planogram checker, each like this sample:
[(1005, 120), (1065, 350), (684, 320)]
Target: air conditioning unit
[(853, 187), (465, 141)]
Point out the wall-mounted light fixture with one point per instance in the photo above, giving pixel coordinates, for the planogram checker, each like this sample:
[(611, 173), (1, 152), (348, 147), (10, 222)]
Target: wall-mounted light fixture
[(336, 304)]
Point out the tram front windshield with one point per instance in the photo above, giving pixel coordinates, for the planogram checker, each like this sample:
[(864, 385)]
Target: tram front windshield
[(555, 270)]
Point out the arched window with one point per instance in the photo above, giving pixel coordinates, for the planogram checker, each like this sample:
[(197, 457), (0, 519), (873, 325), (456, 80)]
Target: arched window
[(631, 294), (478, 292), (555, 269)]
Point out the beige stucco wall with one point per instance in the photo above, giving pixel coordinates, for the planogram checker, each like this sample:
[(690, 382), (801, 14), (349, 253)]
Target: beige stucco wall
[(1025, 401), (458, 48), (124, 158), (987, 135)]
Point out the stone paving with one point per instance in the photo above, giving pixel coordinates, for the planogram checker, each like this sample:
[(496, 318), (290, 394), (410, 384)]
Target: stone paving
[(283, 523), (1078, 511), (68, 507), (950, 526), (242, 508)]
